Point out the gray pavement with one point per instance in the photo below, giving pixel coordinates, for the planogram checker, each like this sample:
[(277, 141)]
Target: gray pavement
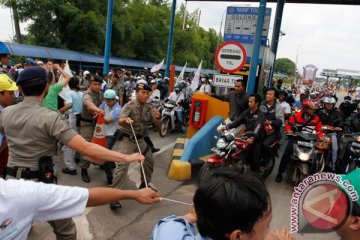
[(136, 221)]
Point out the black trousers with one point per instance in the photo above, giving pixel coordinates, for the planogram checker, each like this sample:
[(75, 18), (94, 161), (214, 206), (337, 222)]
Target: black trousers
[(289, 150)]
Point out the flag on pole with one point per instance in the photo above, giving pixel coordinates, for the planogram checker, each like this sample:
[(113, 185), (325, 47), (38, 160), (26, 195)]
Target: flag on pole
[(157, 67), (181, 75), (66, 88), (195, 81)]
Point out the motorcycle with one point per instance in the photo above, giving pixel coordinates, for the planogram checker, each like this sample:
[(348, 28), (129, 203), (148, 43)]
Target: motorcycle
[(352, 153), (308, 156), (233, 152)]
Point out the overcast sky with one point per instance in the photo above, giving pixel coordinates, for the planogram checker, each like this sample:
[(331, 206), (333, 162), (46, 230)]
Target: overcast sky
[(327, 36)]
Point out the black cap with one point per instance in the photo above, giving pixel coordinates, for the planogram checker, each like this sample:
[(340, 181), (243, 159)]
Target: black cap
[(31, 73), (143, 86), (98, 79)]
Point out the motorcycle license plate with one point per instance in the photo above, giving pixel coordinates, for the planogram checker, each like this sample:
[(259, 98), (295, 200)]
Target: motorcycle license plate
[(305, 144), (217, 151)]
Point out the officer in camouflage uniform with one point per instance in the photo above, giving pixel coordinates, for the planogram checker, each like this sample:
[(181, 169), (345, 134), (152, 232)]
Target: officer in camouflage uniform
[(139, 114)]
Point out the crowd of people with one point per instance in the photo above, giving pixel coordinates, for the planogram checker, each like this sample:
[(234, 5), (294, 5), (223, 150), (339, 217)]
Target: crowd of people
[(38, 122)]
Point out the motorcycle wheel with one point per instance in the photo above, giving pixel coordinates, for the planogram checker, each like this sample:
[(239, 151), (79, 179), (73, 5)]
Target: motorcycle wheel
[(205, 173), (268, 167), (164, 127)]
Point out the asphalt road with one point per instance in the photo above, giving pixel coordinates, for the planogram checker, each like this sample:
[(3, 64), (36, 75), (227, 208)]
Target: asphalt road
[(136, 221)]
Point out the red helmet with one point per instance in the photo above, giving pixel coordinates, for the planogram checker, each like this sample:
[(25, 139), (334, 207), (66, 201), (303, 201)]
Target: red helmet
[(269, 129), (307, 103)]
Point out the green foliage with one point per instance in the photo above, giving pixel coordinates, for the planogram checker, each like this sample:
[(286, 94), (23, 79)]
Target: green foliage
[(140, 29), (285, 66)]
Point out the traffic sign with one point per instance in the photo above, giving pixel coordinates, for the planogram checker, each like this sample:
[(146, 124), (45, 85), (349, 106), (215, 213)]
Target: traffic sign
[(223, 80), (230, 56)]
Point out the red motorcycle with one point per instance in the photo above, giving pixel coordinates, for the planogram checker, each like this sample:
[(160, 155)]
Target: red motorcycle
[(236, 152)]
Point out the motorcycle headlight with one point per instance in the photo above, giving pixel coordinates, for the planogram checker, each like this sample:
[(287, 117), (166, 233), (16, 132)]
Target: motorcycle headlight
[(221, 144), (302, 155)]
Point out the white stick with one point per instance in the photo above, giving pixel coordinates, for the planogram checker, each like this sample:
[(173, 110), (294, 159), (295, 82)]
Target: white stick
[(171, 200), (141, 164)]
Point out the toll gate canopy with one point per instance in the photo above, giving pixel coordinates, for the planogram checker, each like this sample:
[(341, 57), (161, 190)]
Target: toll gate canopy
[(341, 2)]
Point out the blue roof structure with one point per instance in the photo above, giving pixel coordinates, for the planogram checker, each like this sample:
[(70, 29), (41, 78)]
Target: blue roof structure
[(56, 53)]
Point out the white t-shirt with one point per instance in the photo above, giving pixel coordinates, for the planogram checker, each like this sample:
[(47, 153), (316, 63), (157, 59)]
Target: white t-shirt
[(205, 88), (22, 202), (286, 107), (155, 93), (177, 98)]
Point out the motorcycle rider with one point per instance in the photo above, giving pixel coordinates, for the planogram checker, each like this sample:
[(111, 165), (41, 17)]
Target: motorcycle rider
[(253, 119), (155, 93), (177, 96), (351, 125), (305, 118), (332, 117), (205, 86), (274, 114)]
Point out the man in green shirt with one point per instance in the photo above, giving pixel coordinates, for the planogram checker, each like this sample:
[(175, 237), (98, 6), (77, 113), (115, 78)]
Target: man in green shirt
[(51, 99)]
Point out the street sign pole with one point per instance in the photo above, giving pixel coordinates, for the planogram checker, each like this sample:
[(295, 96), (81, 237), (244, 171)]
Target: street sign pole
[(108, 36), (257, 41), (170, 40)]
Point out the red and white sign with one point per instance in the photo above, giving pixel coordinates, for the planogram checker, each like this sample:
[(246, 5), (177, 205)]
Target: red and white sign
[(230, 57)]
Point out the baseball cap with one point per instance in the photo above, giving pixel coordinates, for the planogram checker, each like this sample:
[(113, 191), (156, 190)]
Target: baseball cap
[(31, 73), (4, 55), (6, 84), (110, 94), (143, 86), (30, 61), (98, 79)]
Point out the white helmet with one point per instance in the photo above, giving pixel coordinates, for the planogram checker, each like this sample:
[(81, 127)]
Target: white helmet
[(329, 100)]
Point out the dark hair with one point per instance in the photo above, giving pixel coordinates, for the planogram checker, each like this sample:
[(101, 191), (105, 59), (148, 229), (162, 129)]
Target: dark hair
[(228, 201), (257, 97), (355, 209), (33, 87), (49, 60), (243, 82), (74, 83), (273, 89)]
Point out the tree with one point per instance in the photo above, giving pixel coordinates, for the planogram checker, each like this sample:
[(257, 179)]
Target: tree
[(285, 66), (140, 29)]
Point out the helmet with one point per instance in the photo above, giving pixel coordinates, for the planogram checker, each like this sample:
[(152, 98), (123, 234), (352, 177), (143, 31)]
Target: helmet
[(329, 100), (141, 81), (87, 73), (307, 103), (347, 98), (183, 84), (269, 129), (346, 108), (358, 106), (159, 81), (152, 82), (166, 79)]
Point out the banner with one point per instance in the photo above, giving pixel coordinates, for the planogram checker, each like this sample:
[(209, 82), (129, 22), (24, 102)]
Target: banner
[(61, 79), (181, 76), (195, 81), (157, 67)]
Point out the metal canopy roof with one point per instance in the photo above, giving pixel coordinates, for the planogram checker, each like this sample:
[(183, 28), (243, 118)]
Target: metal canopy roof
[(62, 54), (342, 2)]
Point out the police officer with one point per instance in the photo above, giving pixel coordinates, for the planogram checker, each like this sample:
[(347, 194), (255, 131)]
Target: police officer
[(140, 114), (33, 131), (92, 99)]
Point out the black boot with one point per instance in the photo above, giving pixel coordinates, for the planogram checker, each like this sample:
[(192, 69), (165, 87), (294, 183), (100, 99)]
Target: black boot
[(85, 175), (149, 142), (115, 205)]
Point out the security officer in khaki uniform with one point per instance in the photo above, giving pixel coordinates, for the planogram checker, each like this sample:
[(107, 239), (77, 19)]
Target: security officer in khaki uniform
[(33, 131), (139, 114), (92, 99)]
